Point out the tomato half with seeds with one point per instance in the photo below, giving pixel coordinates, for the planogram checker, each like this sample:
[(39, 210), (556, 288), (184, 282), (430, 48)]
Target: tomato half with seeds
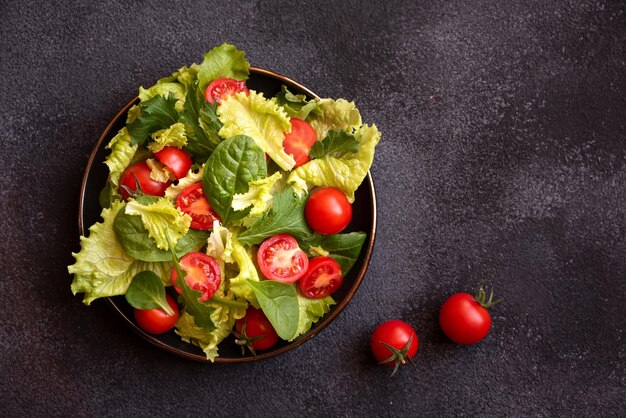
[(322, 278), (175, 159), (194, 203), (221, 88), (157, 321), (202, 274), (280, 259), (140, 172), (299, 140)]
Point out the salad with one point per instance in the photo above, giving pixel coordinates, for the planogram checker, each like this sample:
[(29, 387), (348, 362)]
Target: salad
[(223, 210)]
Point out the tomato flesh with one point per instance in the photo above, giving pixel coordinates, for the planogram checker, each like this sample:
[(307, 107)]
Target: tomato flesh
[(194, 203), (299, 140), (157, 321), (257, 325), (176, 160), (202, 274), (464, 320), (280, 259), (323, 278), (396, 334), (328, 210), (141, 172), (221, 88)]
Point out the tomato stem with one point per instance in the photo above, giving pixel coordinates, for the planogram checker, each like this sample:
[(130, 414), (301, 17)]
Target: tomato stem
[(242, 339), (398, 356), (481, 298)]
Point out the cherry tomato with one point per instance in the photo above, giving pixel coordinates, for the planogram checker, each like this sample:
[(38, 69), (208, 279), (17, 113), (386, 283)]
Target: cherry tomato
[(255, 331), (464, 318), (194, 203), (328, 211), (322, 278), (157, 321), (148, 186), (394, 343), (203, 274), (299, 140), (177, 160), (280, 259), (221, 88)]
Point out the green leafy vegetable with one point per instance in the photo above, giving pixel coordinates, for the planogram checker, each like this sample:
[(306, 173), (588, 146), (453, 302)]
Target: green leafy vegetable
[(259, 118), (201, 125), (174, 136), (234, 252), (220, 62), (162, 220), (310, 311), (285, 216), (279, 302), (343, 248), (337, 141), (146, 291), (335, 114), (345, 173), (122, 153), (157, 113), (102, 267), (234, 163), (259, 196), (296, 105), (162, 88)]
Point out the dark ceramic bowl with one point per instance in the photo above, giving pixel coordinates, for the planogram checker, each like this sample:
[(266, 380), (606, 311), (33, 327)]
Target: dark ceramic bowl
[(363, 219)]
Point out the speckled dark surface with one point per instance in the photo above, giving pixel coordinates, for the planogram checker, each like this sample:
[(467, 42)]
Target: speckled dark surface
[(502, 160)]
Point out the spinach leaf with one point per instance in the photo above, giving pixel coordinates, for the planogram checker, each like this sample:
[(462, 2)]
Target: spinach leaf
[(234, 163), (336, 141), (147, 291), (286, 216), (201, 124), (296, 105), (134, 239), (343, 248), (279, 302), (156, 113), (200, 311)]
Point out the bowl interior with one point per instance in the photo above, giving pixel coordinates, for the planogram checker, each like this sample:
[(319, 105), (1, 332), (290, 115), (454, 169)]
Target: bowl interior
[(363, 219)]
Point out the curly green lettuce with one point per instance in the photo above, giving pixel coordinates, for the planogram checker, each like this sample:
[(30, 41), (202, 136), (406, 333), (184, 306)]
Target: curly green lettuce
[(334, 114), (259, 196), (121, 155), (162, 220), (222, 61), (174, 136), (311, 310)]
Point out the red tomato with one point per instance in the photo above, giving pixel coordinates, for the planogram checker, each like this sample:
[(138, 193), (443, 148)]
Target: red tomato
[(194, 203), (221, 88), (280, 259), (464, 319), (177, 160), (141, 172), (157, 321), (328, 211), (393, 343), (299, 140), (322, 278), (255, 331), (203, 274)]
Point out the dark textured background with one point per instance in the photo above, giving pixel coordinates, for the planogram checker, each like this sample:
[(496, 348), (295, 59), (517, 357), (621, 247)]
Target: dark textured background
[(502, 160)]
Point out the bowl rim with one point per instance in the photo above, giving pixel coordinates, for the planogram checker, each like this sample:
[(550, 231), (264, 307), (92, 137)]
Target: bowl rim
[(261, 356)]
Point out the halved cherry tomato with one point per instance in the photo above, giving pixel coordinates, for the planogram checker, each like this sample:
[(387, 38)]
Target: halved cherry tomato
[(157, 321), (194, 203), (322, 278), (327, 210), (281, 259), (203, 274), (177, 160), (255, 330), (221, 88), (299, 141), (141, 172)]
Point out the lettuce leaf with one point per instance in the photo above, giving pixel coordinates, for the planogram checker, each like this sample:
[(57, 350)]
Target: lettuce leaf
[(345, 173), (102, 268), (174, 136), (259, 196), (162, 89), (296, 105), (335, 114), (157, 113), (192, 177), (162, 220), (311, 310), (222, 61), (259, 118), (186, 75), (237, 253), (122, 153)]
